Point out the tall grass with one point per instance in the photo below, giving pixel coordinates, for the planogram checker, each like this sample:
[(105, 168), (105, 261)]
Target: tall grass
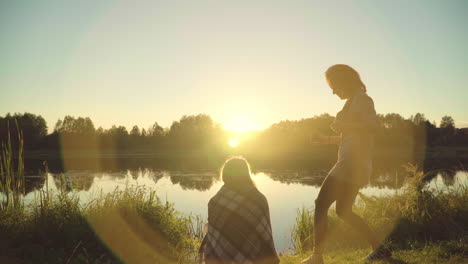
[(131, 225), (414, 216), (302, 233), (11, 176), (424, 213)]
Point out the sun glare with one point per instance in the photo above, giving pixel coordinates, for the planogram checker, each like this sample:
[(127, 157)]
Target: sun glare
[(233, 142), (240, 124)]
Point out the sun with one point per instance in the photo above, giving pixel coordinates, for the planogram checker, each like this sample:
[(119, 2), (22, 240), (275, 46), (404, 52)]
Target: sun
[(233, 142)]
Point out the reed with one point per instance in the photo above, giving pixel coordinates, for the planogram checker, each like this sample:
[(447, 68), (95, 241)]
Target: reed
[(302, 233), (129, 225), (12, 172)]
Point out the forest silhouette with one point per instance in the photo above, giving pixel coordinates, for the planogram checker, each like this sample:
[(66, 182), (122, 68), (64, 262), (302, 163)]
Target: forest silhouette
[(197, 141)]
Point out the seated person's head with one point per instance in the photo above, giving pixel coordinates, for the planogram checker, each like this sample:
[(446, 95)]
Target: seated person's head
[(235, 173)]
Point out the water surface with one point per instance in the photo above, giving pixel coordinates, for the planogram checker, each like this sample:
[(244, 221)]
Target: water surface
[(190, 191)]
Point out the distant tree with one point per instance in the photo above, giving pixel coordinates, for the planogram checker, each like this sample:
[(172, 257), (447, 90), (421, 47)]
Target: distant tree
[(58, 125), (33, 127), (447, 127), (291, 137), (117, 131), (155, 136), (393, 121), (420, 134), (418, 119), (200, 132), (447, 122), (194, 131), (429, 125), (100, 131), (115, 138), (73, 125), (155, 130), (76, 134), (135, 132), (136, 139)]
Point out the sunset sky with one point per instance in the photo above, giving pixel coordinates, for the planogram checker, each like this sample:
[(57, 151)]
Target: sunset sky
[(245, 63)]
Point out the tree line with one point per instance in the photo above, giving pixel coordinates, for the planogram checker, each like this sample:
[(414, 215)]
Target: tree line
[(200, 132)]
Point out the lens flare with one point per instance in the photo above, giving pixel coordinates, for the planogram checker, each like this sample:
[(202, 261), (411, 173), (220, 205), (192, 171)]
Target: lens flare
[(233, 142)]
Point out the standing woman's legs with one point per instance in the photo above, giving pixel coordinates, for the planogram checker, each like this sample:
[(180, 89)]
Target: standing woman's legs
[(327, 195), (344, 209)]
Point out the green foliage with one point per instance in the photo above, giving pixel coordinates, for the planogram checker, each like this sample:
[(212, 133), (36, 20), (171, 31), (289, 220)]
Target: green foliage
[(77, 125), (431, 253), (33, 128), (284, 144), (410, 218), (427, 214), (302, 233), (447, 122), (137, 203), (129, 225), (11, 176)]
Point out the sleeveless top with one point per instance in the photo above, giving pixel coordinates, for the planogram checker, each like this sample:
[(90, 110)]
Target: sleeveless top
[(356, 122)]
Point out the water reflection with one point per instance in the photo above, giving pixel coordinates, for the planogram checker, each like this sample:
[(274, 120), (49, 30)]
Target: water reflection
[(33, 183), (203, 181), (199, 172), (190, 191), (78, 181), (448, 176)]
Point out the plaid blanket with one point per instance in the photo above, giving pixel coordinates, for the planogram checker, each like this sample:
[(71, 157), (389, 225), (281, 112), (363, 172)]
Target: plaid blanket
[(239, 229)]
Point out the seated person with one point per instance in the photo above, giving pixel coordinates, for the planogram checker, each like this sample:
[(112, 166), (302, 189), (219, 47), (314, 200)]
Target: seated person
[(239, 227)]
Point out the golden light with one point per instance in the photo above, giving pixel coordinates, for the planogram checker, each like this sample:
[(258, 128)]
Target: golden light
[(240, 124), (233, 142)]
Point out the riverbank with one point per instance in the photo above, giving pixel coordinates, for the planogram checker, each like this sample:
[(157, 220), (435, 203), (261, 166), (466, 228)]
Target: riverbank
[(126, 226), (420, 224), (133, 225), (442, 253)]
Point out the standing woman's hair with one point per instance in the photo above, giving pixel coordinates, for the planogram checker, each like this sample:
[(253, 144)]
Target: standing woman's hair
[(235, 173), (345, 76)]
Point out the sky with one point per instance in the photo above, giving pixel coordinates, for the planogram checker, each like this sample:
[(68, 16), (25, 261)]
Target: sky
[(246, 64)]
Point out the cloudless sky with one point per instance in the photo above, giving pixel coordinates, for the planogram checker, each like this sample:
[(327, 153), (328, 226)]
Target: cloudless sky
[(137, 62)]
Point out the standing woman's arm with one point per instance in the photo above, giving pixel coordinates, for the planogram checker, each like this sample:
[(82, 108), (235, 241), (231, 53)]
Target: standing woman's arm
[(362, 117)]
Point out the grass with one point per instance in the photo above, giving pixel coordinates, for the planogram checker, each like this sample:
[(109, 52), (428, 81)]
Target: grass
[(415, 222), (125, 226), (429, 254), (131, 225), (11, 174), (302, 233)]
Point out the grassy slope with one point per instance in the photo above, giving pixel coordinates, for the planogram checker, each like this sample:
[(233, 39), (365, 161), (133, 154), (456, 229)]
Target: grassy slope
[(421, 225), (429, 255)]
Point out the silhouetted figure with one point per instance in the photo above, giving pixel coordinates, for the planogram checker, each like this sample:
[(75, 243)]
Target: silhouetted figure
[(356, 122), (239, 227)]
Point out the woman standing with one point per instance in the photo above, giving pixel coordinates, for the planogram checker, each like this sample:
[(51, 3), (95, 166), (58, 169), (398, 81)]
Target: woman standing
[(356, 122), (239, 227)]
